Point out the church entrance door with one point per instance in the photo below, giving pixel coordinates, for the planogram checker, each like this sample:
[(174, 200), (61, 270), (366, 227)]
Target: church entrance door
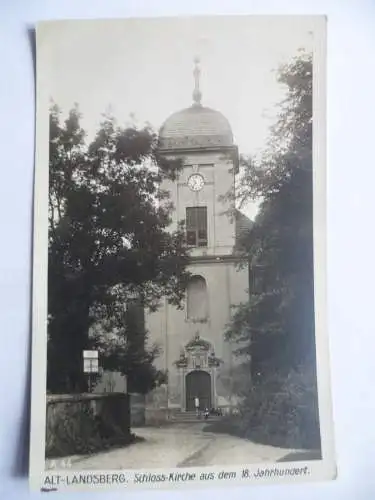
[(198, 384)]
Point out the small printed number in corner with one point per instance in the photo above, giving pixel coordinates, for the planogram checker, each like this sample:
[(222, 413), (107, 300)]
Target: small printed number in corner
[(58, 464)]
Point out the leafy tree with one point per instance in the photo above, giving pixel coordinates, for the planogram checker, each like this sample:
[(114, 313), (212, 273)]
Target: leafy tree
[(123, 343), (276, 328), (108, 237), (275, 331)]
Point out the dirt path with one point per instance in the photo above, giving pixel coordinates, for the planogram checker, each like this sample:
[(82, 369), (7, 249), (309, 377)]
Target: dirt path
[(180, 445)]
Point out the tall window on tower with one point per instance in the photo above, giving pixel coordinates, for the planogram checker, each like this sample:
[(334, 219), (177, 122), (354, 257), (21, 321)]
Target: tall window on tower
[(197, 300), (196, 226)]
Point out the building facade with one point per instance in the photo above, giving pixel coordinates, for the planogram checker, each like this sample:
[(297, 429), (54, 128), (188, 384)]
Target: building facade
[(198, 360)]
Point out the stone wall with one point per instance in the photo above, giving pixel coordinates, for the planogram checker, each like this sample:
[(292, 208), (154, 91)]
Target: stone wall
[(74, 417)]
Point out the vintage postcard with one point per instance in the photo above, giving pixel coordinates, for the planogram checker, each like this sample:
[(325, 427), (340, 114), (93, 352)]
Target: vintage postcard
[(179, 303)]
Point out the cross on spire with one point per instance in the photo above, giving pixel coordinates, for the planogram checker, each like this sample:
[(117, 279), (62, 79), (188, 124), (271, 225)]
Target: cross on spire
[(197, 94)]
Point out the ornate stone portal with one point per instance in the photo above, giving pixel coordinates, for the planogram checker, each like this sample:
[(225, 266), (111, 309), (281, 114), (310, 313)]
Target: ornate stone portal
[(197, 367)]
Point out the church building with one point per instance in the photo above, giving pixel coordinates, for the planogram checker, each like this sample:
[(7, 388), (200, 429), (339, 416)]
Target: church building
[(198, 360)]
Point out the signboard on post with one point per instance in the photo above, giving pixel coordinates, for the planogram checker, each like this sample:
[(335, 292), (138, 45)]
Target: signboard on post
[(90, 364), (91, 361)]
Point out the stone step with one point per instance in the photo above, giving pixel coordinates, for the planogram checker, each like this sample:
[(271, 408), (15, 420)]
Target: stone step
[(186, 415), (192, 422), (191, 417), (193, 413)]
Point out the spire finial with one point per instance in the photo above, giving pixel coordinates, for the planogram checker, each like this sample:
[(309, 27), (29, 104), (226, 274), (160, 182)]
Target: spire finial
[(197, 94)]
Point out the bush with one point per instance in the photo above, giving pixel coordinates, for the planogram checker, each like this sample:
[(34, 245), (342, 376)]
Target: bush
[(75, 430), (280, 410)]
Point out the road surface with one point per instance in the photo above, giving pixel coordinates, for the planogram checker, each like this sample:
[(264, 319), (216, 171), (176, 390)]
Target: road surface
[(179, 445)]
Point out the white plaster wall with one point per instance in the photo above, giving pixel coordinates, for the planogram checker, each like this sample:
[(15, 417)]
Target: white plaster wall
[(168, 326), (239, 279)]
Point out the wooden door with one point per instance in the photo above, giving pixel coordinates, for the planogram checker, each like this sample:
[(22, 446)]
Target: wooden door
[(198, 384)]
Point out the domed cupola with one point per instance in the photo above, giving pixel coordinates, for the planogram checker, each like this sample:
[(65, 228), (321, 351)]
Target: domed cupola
[(196, 126)]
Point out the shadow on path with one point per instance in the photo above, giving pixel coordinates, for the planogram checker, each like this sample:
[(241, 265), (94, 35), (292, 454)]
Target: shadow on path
[(191, 460), (302, 456)]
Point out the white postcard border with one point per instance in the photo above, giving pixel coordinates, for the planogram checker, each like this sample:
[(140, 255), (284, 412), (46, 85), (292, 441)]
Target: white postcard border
[(318, 470)]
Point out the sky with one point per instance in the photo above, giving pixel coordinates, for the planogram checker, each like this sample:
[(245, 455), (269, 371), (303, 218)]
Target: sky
[(144, 68)]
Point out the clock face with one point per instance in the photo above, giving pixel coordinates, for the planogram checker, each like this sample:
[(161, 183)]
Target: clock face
[(196, 182)]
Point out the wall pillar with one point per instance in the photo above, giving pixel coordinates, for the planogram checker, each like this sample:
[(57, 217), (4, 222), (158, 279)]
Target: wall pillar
[(213, 386), (183, 389)]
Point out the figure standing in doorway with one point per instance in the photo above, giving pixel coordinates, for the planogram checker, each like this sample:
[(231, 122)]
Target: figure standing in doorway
[(196, 403)]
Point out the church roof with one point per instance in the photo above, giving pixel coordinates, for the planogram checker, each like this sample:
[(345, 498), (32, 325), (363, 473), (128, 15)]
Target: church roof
[(243, 226), (195, 127)]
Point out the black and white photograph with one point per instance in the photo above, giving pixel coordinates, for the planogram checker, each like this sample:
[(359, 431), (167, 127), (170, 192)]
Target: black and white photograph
[(179, 316)]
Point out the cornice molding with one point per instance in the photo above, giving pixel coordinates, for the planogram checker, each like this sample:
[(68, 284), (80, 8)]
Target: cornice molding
[(204, 259)]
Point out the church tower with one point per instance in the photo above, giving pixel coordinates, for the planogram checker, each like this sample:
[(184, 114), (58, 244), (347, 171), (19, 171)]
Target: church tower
[(198, 360)]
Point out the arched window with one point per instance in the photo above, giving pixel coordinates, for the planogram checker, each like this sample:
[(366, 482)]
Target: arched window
[(197, 300)]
